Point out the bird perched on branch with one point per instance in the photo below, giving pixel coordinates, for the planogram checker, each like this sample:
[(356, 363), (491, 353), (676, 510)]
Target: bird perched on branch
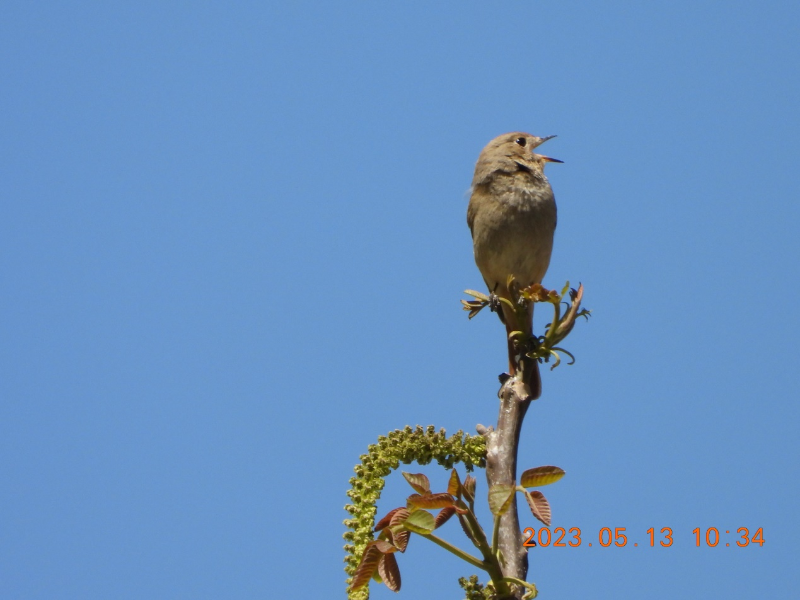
[(512, 217)]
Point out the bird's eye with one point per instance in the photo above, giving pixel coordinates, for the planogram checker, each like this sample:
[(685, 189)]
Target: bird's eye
[(521, 141)]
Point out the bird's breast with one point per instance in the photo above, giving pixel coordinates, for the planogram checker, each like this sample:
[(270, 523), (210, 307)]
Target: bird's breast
[(513, 222)]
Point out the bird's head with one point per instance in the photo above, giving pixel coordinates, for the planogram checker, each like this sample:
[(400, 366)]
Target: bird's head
[(511, 152)]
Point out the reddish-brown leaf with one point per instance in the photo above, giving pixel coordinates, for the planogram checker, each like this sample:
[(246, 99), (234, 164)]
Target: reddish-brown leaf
[(469, 486), (540, 507), (537, 292), (568, 321), (541, 476), (400, 515), (390, 572), (367, 566), (385, 547), (444, 516), (410, 500), (400, 538), (386, 534), (395, 538), (431, 501), (454, 485), (467, 531), (384, 522), (419, 482)]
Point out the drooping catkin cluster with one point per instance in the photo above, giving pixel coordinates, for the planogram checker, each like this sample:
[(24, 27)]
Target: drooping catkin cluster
[(400, 446)]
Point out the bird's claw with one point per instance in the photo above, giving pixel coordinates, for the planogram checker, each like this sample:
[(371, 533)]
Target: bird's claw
[(494, 302)]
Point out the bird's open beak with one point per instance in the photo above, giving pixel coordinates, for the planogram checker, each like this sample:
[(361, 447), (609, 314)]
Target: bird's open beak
[(542, 141), (548, 159)]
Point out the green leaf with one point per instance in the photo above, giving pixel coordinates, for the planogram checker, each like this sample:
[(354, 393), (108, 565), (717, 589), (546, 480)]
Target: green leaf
[(571, 362), (507, 302), (540, 476), (478, 295), (500, 496), (420, 521), (419, 482), (516, 334)]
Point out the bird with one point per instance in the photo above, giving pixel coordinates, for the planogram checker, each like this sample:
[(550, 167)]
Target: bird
[(512, 217)]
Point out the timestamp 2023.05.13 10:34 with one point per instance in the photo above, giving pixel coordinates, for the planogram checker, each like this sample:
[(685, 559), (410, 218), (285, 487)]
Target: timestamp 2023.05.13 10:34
[(574, 537)]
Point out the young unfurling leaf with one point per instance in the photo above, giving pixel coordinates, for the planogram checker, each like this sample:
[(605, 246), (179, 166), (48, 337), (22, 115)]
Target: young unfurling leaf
[(454, 485)]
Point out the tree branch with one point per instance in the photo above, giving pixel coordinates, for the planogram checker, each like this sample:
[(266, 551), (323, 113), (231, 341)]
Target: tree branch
[(501, 468)]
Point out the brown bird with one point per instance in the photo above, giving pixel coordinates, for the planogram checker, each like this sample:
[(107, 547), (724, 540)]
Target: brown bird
[(512, 217)]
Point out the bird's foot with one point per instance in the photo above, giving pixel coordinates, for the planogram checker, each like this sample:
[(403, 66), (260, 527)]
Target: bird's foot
[(494, 302)]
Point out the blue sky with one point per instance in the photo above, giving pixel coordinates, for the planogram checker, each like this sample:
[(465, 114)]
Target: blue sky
[(232, 248)]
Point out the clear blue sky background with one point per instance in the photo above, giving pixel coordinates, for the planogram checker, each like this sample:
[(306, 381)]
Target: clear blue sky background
[(232, 248)]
